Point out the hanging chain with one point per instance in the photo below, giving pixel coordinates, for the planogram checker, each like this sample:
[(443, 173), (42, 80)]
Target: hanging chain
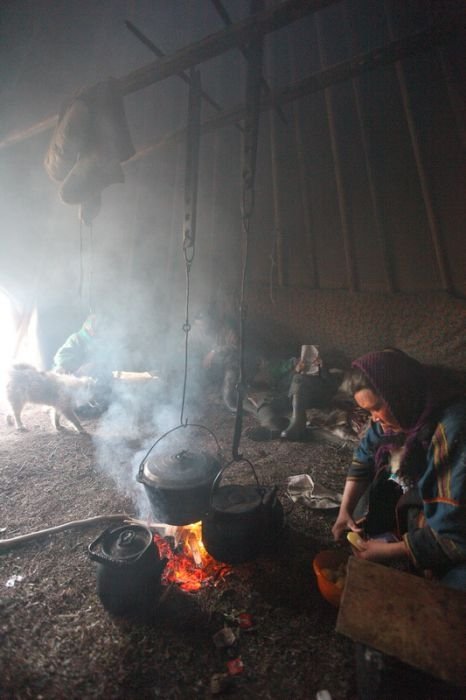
[(250, 138), (273, 265), (81, 264), (186, 329), (190, 206), (91, 269)]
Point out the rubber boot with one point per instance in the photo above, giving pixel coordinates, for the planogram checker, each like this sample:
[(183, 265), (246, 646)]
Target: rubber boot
[(272, 421), (270, 418), (297, 426), (229, 389)]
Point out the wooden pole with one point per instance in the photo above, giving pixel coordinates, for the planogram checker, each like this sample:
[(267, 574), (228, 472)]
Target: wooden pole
[(25, 134), (277, 228), (379, 229), (227, 22), (435, 234), (341, 192), (304, 184), (453, 97), (277, 217), (439, 10)]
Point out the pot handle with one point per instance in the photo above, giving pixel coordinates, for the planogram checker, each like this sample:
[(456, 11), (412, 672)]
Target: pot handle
[(219, 476), (172, 430)]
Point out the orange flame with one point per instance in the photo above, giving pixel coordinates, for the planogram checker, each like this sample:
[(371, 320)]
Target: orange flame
[(190, 566)]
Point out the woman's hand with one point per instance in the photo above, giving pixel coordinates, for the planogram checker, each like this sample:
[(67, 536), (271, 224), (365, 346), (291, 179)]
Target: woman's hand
[(300, 367), (378, 550), (343, 523)]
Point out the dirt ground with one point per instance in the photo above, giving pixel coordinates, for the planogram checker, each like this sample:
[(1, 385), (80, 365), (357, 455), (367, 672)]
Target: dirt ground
[(56, 638)]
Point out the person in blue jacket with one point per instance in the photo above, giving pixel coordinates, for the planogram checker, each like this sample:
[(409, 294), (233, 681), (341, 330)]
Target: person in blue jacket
[(86, 353), (413, 456), (81, 353)]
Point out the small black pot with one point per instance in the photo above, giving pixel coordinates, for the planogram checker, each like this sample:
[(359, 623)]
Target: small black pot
[(242, 522), (129, 569)]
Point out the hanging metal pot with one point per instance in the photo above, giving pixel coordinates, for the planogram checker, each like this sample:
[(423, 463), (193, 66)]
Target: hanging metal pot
[(243, 521), (178, 485), (129, 569)]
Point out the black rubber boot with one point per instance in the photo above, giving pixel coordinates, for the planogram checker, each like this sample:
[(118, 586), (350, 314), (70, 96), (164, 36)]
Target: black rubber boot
[(272, 420), (297, 426), (229, 389)]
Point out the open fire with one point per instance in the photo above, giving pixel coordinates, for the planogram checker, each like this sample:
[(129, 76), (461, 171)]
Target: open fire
[(189, 565)]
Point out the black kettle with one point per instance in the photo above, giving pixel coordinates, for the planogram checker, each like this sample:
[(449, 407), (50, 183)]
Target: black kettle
[(129, 569), (243, 521)]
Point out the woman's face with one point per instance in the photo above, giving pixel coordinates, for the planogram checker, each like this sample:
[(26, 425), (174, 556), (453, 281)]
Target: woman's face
[(378, 409)]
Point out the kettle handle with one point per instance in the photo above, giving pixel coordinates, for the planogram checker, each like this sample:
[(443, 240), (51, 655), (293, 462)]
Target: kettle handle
[(219, 476), (103, 558), (172, 430)]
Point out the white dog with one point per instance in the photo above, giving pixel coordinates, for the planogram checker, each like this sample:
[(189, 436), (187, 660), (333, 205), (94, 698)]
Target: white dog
[(63, 392)]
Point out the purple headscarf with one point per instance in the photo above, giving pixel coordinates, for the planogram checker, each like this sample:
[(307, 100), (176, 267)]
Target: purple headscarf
[(413, 392), (402, 382)]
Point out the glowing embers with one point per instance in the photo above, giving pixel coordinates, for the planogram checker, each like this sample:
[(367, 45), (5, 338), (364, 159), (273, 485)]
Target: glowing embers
[(189, 565)]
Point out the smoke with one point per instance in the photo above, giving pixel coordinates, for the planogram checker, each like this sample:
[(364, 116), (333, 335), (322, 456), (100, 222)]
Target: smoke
[(8, 330), (144, 410), (129, 266)]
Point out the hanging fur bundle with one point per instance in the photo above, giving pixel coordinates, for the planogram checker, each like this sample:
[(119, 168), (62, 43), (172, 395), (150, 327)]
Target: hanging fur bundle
[(88, 145)]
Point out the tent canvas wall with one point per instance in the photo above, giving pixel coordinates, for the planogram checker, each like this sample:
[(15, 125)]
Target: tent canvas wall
[(359, 187)]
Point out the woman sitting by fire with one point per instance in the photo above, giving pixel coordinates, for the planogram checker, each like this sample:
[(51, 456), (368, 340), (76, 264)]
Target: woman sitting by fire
[(413, 456)]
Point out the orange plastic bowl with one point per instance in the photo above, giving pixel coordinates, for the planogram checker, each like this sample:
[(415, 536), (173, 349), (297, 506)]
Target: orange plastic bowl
[(329, 559)]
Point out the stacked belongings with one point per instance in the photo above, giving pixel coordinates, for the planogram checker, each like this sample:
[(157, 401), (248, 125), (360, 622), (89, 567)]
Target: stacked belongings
[(88, 145)]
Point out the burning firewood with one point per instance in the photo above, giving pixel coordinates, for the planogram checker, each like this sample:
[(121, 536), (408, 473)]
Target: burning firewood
[(189, 564)]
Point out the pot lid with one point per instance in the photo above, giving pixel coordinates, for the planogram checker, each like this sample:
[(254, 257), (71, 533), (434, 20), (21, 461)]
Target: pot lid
[(182, 470), (237, 499), (126, 543)]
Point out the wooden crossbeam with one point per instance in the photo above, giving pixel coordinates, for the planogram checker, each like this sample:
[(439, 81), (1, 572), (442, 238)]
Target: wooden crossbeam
[(337, 73), (383, 56), (158, 52), (237, 35), (340, 72)]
